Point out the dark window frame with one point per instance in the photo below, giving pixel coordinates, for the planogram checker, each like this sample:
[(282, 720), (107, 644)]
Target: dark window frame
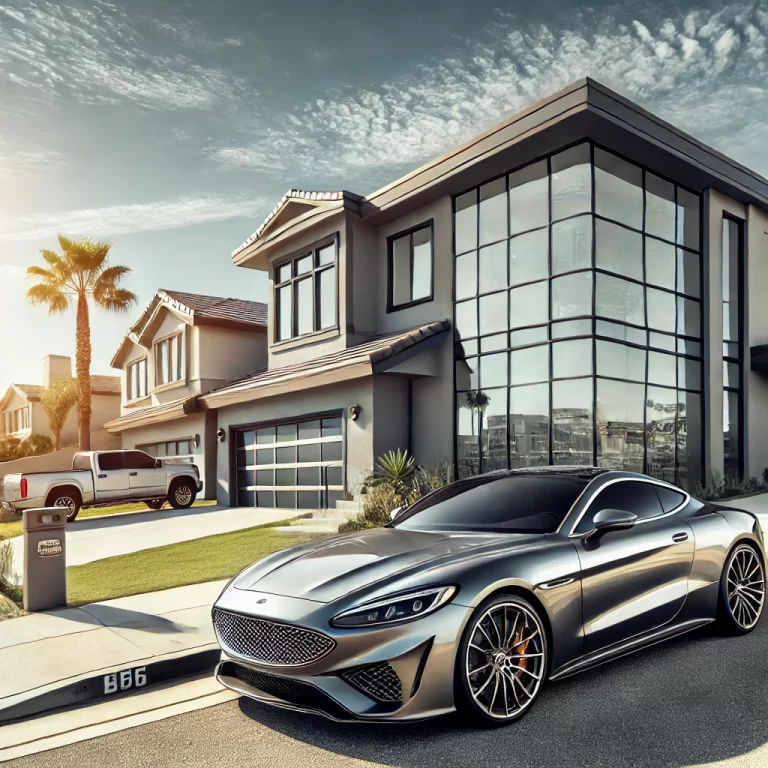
[(391, 306), (292, 258), (130, 395)]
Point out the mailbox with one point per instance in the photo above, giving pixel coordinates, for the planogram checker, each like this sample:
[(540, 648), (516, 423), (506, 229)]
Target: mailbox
[(45, 562)]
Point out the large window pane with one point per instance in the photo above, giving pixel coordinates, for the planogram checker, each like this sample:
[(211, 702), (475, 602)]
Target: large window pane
[(688, 205), (492, 413), (466, 319), (572, 429), (661, 310), (689, 439), (619, 300), (688, 373), (528, 198), (465, 222), (731, 436), (422, 264), (528, 258), (659, 207), (304, 301), (571, 182), (660, 419), (620, 361), (529, 305), (493, 211), (619, 249), (620, 332), (528, 336), (326, 296), (572, 358), (572, 244), (688, 317), (566, 329), (493, 313), (284, 312), (662, 369), (493, 267), (529, 365), (326, 255), (467, 434), (401, 270), (492, 343), (620, 443), (468, 373), (659, 263), (529, 426), (493, 370), (731, 273), (572, 295), (618, 189), (688, 272), (466, 275)]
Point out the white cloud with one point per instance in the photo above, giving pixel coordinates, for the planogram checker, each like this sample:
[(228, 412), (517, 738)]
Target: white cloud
[(128, 219), (706, 72), (11, 272), (14, 161), (104, 55)]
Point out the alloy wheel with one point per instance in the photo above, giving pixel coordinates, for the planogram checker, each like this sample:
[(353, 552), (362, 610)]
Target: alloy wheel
[(505, 660), (65, 501), (183, 495), (745, 587)]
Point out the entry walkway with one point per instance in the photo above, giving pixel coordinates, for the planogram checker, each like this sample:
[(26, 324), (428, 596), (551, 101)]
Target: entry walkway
[(95, 538)]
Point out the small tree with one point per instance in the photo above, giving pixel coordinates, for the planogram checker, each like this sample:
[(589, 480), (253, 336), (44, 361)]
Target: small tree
[(58, 400)]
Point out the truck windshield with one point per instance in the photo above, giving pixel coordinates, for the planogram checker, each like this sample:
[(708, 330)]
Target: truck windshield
[(506, 504)]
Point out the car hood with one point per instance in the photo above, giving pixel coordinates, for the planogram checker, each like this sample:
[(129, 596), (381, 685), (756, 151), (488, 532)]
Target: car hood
[(328, 570)]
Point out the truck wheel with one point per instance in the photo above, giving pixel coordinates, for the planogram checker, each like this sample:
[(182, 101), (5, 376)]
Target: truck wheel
[(182, 494), (155, 503), (68, 498)]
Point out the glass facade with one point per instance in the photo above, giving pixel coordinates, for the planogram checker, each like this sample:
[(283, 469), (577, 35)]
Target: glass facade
[(578, 319), (733, 282)]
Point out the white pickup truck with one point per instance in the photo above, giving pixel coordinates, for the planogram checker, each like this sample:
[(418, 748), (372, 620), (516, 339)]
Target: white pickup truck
[(99, 478)]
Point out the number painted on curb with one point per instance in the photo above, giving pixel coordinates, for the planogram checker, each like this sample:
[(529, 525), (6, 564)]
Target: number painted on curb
[(125, 680)]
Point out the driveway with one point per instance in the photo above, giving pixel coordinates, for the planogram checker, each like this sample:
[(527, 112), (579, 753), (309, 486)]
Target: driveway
[(94, 538)]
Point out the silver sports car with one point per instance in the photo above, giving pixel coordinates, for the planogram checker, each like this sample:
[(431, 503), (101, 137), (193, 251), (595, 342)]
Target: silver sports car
[(474, 596)]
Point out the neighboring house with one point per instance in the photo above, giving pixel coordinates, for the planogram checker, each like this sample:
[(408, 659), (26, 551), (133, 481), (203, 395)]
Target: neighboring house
[(183, 345), (549, 292), (21, 413)]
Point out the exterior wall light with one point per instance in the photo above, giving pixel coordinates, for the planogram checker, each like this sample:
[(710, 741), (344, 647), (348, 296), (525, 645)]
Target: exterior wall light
[(221, 435), (196, 441), (354, 411)]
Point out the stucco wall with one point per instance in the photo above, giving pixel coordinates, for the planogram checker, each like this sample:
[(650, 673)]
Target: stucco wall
[(390, 403), (359, 433), (223, 354), (50, 462)]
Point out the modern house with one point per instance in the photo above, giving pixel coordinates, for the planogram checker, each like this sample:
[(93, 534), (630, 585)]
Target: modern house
[(22, 415), (582, 284), (184, 345)]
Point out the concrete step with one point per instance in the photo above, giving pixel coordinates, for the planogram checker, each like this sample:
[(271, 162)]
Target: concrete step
[(315, 521), (348, 506), (294, 530)]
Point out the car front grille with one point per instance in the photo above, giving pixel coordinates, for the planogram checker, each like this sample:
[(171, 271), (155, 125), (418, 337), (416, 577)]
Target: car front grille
[(268, 642), (379, 681), (290, 691)]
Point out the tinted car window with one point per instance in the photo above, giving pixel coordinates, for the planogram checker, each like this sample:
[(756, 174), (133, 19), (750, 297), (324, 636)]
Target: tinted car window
[(669, 499), (139, 460), (511, 504), (628, 495), (81, 461), (110, 461)]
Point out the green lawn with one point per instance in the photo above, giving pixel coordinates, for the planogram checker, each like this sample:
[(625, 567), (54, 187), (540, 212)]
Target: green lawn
[(13, 528), (191, 562)]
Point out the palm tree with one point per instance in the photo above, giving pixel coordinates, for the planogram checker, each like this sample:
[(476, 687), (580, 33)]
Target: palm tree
[(80, 272)]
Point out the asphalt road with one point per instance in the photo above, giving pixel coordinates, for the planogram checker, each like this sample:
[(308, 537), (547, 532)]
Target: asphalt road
[(693, 701)]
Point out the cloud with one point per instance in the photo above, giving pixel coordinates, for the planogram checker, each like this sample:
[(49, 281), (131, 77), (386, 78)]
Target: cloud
[(14, 161), (129, 219), (706, 72), (105, 55)]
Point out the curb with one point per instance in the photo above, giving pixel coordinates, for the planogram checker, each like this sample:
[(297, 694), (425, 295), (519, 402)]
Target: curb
[(111, 684)]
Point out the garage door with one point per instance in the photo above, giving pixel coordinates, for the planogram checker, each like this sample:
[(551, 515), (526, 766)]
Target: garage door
[(297, 465)]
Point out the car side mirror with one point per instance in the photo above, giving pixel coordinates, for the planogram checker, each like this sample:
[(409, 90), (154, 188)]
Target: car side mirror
[(158, 464), (612, 520), (395, 512)]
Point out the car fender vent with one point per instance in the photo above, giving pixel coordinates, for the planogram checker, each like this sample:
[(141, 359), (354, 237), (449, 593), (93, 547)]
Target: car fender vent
[(378, 681)]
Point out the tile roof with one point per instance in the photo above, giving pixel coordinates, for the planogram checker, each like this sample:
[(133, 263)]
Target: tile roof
[(32, 391), (173, 409), (100, 385), (225, 309), (370, 352)]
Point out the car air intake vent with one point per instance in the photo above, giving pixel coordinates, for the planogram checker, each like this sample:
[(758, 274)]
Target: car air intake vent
[(267, 642), (379, 681)]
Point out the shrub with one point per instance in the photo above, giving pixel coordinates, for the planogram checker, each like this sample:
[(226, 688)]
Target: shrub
[(35, 445), (8, 586), (716, 487), (9, 447)]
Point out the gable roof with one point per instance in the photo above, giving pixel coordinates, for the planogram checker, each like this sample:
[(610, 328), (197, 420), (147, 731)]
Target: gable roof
[(31, 391), (377, 354), (196, 309), (100, 385)]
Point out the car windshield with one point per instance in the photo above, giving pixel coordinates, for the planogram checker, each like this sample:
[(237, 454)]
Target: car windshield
[(507, 504)]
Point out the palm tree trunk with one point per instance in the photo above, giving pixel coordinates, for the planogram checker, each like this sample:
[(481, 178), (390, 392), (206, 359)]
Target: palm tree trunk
[(57, 440), (83, 367)]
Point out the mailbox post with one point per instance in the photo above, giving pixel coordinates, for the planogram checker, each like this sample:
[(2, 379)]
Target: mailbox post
[(45, 562)]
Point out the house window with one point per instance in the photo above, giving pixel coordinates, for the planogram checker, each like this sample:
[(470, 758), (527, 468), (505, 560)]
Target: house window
[(169, 360), (305, 293), (410, 260), (137, 379), (173, 451), (16, 420)]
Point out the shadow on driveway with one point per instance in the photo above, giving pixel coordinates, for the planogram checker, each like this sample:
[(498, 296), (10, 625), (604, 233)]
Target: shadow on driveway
[(695, 700)]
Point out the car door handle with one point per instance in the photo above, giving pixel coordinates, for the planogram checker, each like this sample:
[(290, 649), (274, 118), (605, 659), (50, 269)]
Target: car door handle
[(678, 537), (133, 474), (102, 476)]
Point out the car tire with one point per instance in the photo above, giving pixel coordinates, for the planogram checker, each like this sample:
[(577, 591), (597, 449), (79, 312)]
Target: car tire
[(65, 497), (516, 664), (182, 494), (741, 597), (155, 503)]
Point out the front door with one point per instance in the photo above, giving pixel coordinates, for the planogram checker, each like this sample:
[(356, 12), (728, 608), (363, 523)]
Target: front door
[(111, 481), (144, 476), (636, 579)]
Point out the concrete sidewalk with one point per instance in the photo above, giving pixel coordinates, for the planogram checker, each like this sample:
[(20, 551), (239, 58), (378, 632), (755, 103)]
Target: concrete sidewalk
[(95, 538), (45, 653)]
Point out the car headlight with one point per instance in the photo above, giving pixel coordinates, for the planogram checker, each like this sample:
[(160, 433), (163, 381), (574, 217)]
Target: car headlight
[(402, 607)]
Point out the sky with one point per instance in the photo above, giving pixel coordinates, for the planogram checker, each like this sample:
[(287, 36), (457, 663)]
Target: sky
[(171, 128)]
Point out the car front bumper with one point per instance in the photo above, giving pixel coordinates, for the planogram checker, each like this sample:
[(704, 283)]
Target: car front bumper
[(416, 658)]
